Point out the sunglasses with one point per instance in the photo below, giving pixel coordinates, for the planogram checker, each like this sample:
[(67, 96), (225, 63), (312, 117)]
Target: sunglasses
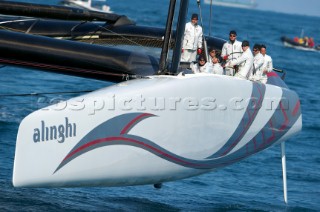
[(233, 36), (255, 50), (202, 60)]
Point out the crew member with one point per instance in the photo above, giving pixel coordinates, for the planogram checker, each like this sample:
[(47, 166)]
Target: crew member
[(258, 62), (215, 66), (192, 41), (212, 53), (306, 41), (311, 42), (267, 65), (201, 66), (245, 62), (231, 50)]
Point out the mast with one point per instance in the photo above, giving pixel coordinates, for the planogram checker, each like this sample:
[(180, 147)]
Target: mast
[(205, 47), (165, 47), (179, 36)]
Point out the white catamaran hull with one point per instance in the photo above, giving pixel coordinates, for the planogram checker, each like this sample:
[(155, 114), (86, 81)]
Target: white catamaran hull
[(152, 130)]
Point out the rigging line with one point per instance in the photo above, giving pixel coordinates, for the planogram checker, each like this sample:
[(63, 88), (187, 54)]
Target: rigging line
[(45, 93), (74, 27), (32, 25), (11, 29), (105, 28), (91, 34), (122, 36), (210, 20), (94, 32), (200, 14), (21, 20), (74, 70)]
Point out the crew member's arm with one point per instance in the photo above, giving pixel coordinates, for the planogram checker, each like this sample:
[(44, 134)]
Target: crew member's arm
[(237, 61)]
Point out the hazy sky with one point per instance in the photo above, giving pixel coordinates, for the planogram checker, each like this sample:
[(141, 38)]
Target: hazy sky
[(303, 7)]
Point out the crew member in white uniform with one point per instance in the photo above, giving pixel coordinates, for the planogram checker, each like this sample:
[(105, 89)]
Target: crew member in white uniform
[(258, 62), (192, 40), (245, 62), (267, 65), (231, 50), (215, 66), (212, 53), (201, 66)]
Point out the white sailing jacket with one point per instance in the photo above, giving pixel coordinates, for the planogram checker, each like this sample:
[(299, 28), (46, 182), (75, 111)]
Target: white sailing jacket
[(215, 68), (258, 62), (192, 37), (196, 68), (245, 62), (267, 66), (232, 50)]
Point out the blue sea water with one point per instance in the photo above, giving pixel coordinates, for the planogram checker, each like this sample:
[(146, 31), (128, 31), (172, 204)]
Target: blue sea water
[(254, 184)]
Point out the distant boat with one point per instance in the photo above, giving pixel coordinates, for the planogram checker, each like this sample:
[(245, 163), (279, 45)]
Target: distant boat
[(250, 4), (93, 5), (288, 42)]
